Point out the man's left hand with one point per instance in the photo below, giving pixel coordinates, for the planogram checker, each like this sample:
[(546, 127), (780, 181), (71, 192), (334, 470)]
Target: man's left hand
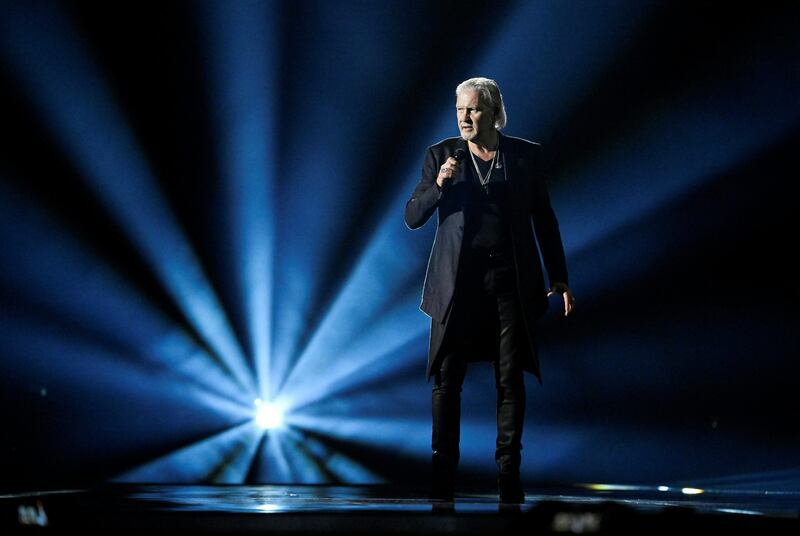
[(569, 299)]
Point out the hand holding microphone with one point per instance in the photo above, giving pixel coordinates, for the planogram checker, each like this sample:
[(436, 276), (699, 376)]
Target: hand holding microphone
[(449, 168)]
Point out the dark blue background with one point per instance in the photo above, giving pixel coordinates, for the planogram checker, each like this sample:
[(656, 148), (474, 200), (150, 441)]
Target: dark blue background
[(192, 190)]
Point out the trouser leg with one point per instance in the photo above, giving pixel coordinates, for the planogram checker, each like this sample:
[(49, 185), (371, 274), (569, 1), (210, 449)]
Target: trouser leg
[(446, 413), (510, 386)]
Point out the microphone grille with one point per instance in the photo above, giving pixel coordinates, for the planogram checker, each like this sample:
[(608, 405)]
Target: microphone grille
[(460, 154)]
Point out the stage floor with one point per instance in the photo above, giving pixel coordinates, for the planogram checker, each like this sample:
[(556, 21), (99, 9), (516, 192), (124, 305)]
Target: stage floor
[(306, 509)]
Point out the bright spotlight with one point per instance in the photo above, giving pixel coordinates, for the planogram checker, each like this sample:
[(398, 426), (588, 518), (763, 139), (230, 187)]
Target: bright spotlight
[(267, 415)]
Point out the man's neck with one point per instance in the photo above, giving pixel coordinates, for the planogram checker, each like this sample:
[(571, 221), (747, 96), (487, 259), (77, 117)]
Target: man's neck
[(484, 147)]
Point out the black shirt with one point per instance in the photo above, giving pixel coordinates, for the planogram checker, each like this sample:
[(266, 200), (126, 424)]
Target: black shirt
[(487, 228)]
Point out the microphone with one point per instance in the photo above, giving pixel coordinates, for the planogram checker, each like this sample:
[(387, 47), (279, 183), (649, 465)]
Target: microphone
[(459, 156)]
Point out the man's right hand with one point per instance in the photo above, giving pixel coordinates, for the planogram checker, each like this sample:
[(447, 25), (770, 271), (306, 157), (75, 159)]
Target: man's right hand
[(447, 172)]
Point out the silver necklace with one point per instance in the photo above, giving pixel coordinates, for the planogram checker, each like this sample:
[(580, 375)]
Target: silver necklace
[(484, 180)]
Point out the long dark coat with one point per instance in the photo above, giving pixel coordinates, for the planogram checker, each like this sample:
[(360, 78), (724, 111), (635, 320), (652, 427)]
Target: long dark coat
[(529, 203)]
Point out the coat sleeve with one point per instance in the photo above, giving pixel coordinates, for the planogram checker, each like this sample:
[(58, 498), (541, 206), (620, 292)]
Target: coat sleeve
[(545, 224), (426, 195)]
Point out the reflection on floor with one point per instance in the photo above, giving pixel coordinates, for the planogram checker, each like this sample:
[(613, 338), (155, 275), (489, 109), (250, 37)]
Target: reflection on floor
[(298, 509)]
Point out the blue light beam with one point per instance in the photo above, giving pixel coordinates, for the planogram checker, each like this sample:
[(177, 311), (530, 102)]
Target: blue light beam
[(46, 54), (224, 458), (678, 146), (98, 382), (89, 296), (383, 271), (242, 48), (292, 456)]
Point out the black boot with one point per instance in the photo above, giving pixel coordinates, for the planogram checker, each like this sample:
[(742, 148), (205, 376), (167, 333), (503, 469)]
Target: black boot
[(444, 478), (510, 487)]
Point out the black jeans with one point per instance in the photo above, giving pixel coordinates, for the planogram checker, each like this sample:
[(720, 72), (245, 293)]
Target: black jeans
[(487, 318)]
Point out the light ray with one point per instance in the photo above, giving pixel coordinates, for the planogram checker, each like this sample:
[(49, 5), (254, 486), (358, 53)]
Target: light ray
[(377, 366), (587, 41), (337, 465), (89, 296), (74, 373), (388, 259), (224, 458), (670, 156), (64, 363), (74, 103), (681, 143), (297, 457), (303, 466), (326, 178), (275, 466), (339, 350), (338, 355), (242, 47), (404, 435)]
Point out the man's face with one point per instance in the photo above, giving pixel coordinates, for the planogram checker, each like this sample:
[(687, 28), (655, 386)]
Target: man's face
[(475, 118)]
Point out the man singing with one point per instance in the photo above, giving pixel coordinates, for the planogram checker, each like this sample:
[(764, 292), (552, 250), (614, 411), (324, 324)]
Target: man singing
[(484, 289)]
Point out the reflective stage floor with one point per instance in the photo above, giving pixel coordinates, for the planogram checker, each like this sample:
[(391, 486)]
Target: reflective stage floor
[(304, 509)]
